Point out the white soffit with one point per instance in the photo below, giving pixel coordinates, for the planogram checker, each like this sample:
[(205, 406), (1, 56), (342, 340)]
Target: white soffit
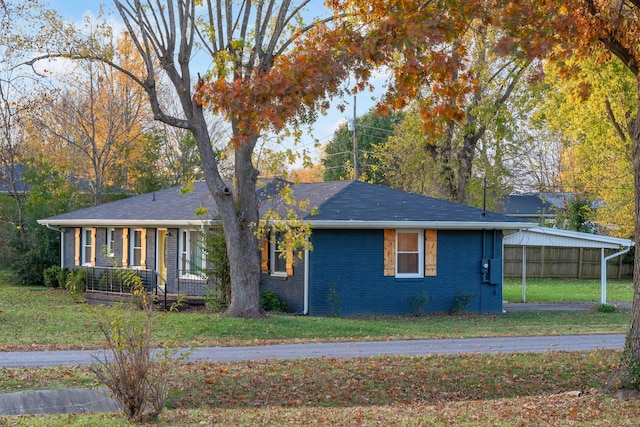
[(542, 236)]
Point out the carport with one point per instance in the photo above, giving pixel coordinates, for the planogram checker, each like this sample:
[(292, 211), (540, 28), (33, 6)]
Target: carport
[(552, 237)]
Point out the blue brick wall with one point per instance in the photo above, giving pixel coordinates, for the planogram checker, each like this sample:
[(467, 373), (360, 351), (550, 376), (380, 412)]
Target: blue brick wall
[(351, 262)]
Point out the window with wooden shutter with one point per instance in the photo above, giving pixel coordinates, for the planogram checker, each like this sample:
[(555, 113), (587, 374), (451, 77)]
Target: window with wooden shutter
[(277, 255), (410, 253), (431, 253)]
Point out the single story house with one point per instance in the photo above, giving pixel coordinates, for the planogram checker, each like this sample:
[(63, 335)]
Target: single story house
[(376, 250)]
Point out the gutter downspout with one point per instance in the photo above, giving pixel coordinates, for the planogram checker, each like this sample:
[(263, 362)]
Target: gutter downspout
[(305, 310), (603, 271), (59, 230)]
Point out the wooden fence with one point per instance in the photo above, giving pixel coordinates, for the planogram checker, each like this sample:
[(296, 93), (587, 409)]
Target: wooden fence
[(557, 262)]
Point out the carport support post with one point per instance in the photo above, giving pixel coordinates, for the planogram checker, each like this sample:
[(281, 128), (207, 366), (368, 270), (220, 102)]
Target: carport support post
[(524, 273), (603, 277), (603, 271)]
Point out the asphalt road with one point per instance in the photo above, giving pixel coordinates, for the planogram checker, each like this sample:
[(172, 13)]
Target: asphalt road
[(342, 349)]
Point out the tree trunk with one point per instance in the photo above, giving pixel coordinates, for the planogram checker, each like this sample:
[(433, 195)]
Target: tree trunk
[(627, 374), (238, 209), (242, 245)]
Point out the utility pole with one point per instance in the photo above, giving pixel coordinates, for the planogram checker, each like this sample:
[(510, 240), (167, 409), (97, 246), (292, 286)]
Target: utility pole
[(355, 142)]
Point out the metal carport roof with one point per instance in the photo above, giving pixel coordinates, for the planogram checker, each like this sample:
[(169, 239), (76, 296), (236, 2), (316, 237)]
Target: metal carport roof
[(542, 236)]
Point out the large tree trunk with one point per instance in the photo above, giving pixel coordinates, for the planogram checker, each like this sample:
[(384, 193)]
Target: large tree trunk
[(238, 209), (242, 244), (627, 374)]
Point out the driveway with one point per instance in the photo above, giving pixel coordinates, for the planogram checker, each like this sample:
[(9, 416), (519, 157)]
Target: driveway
[(342, 349)]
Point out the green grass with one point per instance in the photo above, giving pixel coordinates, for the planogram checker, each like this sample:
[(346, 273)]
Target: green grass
[(472, 389), (567, 290), (468, 389), (38, 318)]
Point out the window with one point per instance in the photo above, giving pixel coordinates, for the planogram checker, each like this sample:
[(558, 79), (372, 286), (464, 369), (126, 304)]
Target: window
[(135, 259), (87, 246), (409, 253), (192, 256), (277, 260), (111, 238)]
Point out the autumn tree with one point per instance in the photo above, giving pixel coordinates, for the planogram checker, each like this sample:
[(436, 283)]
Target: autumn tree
[(578, 29), (96, 125), (453, 163), (538, 29), (270, 69)]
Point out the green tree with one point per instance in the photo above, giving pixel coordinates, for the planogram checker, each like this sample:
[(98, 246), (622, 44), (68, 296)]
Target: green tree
[(372, 130), (37, 247), (588, 110)]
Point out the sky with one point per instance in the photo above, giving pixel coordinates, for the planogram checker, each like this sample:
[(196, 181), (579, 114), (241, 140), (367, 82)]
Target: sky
[(323, 128)]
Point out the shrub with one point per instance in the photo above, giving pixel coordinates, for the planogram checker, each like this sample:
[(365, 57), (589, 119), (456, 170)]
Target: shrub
[(51, 276), (606, 308), (216, 300), (77, 281), (272, 302), (218, 270), (334, 299), (417, 303), (461, 302), (63, 275), (137, 376)]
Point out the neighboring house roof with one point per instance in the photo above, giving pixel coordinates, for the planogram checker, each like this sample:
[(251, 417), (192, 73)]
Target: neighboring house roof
[(7, 175), (338, 204), (531, 205), (15, 174)]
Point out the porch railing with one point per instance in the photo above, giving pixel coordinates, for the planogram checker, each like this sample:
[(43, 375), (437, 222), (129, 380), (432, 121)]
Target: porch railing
[(193, 283), (111, 279)]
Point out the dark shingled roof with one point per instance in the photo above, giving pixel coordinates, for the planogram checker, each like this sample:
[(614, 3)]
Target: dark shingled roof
[(163, 205), (528, 204), (337, 201)]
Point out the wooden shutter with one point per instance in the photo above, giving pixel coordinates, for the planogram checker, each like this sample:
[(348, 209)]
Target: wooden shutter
[(125, 247), (430, 252), (389, 252), (143, 248), (94, 243), (289, 260), (78, 246), (264, 264)]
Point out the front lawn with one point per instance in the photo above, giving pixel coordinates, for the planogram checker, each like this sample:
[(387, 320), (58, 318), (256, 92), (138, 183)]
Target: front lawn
[(553, 388), (39, 318)]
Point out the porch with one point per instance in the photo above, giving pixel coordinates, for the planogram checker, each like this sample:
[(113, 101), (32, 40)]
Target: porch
[(111, 284)]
